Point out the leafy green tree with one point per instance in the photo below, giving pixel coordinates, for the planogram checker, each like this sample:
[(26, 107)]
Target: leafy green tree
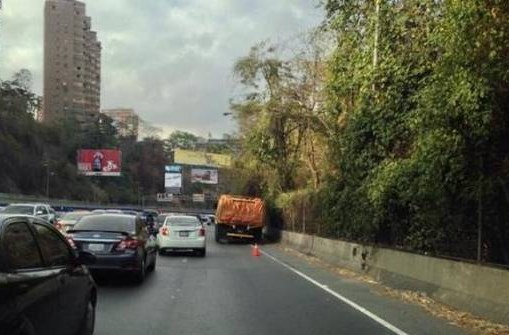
[(180, 140)]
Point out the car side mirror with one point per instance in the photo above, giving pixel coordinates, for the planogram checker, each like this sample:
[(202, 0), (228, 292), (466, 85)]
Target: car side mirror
[(85, 258)]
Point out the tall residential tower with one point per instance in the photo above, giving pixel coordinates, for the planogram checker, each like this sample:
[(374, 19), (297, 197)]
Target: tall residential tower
[(72, 63)]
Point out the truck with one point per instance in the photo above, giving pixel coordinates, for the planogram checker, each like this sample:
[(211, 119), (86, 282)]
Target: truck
[(240, 217)]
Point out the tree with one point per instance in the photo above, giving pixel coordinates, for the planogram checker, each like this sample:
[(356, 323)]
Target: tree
[(180, 140)]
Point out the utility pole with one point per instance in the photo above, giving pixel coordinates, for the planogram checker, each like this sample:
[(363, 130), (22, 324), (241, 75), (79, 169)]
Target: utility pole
[(377, 35), (480, 213), (47, 180)]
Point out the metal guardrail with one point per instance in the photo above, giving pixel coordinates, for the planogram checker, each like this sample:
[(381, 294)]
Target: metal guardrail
[(66, 204)]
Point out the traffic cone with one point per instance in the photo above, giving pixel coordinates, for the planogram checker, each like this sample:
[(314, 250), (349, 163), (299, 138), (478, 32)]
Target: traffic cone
[(255, 251)]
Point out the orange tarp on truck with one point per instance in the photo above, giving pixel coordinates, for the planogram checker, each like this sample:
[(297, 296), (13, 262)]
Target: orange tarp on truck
[(237, 210)]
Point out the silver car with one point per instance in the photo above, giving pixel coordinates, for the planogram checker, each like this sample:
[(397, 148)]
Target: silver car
[(68, 220), (181, 232), (42, 211)]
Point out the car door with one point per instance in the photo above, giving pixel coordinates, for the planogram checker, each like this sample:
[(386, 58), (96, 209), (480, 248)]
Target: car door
[(72, 279), (32, 286), (42, 212)]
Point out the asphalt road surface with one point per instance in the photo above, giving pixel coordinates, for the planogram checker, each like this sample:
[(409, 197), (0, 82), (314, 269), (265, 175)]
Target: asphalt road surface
[(232, 292)]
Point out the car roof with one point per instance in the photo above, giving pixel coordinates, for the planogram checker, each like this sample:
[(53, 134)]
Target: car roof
[(28, 204), (182, 217)]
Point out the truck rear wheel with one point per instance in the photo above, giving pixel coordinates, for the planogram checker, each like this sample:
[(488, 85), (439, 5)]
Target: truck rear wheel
[(220, 233), (257, 235)]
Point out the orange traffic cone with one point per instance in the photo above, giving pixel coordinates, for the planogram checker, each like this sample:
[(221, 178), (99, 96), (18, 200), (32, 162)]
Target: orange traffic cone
[(255, 251)]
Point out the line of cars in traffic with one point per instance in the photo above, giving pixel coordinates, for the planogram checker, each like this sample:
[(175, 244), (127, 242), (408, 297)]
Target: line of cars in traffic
[(46, 261)]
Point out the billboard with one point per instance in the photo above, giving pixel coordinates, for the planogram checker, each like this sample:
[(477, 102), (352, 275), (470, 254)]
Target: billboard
[(164, 197), (204, 176), (172, 180), (173, 177), (189, 157), (99, 162), (173, 169), (198, 197)]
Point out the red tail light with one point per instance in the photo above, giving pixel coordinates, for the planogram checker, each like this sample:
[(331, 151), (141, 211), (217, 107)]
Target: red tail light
[(128, 244), (71, 241), (59, 225), (164, 231), (201, 232)]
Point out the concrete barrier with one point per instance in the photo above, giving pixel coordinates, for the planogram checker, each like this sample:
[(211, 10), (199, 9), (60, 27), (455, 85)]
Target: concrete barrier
[(478, 289)]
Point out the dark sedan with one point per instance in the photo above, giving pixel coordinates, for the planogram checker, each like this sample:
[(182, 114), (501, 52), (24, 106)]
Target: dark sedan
[(120, 242), (44, 287)]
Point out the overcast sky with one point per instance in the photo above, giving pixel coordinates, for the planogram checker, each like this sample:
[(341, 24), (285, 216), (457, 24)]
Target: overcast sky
[(170, 60)]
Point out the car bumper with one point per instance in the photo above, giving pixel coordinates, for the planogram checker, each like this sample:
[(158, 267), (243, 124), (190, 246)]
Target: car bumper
[(123, 262), (166, 243)]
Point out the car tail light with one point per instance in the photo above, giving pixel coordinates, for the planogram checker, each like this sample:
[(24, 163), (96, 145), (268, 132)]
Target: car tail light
[(201, 232), (128, 244), (59, 225), (164, 231)]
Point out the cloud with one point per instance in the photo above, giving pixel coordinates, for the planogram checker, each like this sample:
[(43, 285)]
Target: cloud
[(170, 60)]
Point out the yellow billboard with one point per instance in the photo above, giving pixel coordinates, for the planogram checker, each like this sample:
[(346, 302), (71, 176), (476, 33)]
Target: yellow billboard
[(189, 157)]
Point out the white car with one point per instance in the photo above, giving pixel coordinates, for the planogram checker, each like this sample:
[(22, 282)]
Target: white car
[(181, 232)]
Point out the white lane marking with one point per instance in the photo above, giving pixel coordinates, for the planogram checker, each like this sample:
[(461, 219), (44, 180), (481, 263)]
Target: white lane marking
[(352, 304)]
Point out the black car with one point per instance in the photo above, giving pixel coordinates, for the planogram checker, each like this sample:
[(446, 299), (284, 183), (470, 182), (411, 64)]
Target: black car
[(44, 287), (120, 242)]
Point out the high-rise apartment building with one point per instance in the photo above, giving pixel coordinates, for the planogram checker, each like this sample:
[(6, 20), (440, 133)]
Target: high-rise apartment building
[(125, 120), (72, 62)]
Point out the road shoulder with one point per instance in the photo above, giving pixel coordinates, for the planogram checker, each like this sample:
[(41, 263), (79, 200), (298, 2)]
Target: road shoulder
[(412, 312)]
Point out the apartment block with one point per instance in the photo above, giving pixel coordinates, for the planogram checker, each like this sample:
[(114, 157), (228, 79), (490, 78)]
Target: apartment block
[(125, 120), (72, 63)]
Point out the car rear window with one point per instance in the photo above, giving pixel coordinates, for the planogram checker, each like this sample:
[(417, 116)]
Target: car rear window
[(107, 223), (19, 210), (182, 221)]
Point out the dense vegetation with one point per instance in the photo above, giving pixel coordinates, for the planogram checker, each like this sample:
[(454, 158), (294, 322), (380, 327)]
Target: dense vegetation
[(389, 125)]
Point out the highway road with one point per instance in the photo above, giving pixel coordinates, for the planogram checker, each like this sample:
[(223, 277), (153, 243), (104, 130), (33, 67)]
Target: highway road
[(232, 292)]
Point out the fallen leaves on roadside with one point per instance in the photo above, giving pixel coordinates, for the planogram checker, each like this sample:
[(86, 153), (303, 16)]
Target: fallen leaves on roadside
[(461, 319), (455, 317)]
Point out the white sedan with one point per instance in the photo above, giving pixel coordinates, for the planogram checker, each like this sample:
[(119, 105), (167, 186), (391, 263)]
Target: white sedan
[(181, 232)]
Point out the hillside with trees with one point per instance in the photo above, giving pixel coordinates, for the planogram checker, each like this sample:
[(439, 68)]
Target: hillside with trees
[(388, 124)]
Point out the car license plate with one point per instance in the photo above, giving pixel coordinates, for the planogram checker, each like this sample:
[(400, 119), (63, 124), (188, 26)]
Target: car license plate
[(95, 247), (184, 234)]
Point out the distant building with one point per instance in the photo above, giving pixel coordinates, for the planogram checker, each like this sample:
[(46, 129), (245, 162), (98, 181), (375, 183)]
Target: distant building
[(72, 62), (125, 120)]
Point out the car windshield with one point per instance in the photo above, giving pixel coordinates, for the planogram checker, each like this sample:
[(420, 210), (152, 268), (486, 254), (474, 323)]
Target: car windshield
[(182, 221), (120, 223), (19, 210)]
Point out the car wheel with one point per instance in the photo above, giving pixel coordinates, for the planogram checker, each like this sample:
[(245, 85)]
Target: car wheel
[(201, 252), (88, 323), (152, 265), (140, 274)]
